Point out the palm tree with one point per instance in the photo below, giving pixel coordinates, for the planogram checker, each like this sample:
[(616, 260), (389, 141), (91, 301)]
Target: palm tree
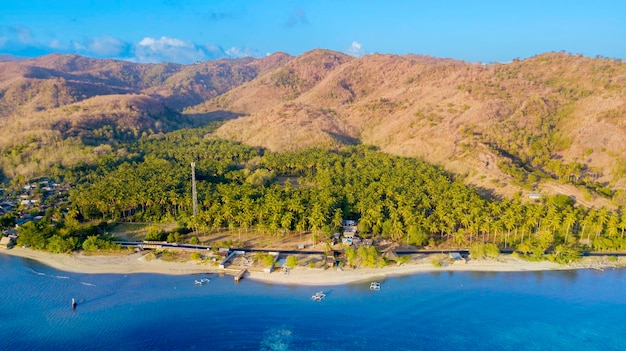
[(568, 222), (622, 224)]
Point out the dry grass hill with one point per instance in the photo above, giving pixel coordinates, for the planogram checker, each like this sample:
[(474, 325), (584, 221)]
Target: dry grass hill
[(552, 121), (555, 122)]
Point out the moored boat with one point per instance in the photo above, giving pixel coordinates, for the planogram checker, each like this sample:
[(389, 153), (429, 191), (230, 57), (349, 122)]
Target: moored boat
[(318, 296), (201, 281)]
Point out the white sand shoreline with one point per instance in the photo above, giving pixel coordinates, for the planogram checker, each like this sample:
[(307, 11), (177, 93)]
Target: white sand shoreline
[(134, 263), (305, 276)]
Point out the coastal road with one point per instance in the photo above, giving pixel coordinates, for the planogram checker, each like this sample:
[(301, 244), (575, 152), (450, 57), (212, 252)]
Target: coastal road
[(191, 247)]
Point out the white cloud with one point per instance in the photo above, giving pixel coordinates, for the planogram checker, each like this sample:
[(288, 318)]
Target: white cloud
[(151, 50), (20, 41), (106, 46), (356, 49), (236, 52), (169, 49), (78, 46), (57, 44), (214, 52), (159, 44)]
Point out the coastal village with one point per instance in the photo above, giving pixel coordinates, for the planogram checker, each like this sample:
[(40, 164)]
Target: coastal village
[(30, 203)]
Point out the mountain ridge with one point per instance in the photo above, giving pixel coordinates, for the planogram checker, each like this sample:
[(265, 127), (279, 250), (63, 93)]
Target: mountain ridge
[(554, 120)]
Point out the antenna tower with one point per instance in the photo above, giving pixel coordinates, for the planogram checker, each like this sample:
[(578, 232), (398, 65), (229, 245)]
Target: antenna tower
[(194, 194)]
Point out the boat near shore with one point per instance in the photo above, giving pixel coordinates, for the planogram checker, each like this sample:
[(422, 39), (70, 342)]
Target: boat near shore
[(318, 296), (375, 286), (201, 281)]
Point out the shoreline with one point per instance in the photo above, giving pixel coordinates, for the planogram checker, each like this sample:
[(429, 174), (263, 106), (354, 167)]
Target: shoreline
[(336, 276), (135, 263)]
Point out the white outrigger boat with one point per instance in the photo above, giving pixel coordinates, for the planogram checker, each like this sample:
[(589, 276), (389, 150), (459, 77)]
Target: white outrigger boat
[(375, 286), (318, 296), (201, 281)]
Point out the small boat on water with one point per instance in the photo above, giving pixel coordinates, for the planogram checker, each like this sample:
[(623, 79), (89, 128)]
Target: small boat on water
[(201, 281), (375, 286), (73, 303), (318, 296)]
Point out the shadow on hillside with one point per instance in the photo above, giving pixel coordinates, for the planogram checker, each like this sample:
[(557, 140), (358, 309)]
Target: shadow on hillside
[(221, 115), (344, 139)]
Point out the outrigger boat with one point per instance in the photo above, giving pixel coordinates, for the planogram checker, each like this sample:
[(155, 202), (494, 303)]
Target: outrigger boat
[(318, 296), (375, 286), (201, 281)]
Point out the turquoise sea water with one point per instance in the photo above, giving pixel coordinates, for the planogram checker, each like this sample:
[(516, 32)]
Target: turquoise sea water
[(569, 310)]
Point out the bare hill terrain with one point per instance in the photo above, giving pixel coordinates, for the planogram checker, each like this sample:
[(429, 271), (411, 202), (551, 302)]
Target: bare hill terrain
[(553, 123)]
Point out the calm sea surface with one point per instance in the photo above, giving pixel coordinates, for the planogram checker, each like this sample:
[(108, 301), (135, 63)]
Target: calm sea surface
[(569, 310)]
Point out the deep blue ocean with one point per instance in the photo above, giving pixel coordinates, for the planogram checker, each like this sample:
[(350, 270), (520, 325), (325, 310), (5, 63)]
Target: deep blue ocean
[(565, 310)]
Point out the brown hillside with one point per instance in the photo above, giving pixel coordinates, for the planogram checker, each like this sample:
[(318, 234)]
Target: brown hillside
[(80, 131), (284, 83), (546, 114), (554, 123), (56, 80), (107, 117)]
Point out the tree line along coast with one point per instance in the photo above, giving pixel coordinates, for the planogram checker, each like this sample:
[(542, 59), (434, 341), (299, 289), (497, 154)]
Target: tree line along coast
[(252, 190)]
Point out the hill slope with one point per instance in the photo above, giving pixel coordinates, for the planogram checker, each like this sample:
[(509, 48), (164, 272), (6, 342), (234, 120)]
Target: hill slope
[(555, 121), (55, 109), (556, 117)]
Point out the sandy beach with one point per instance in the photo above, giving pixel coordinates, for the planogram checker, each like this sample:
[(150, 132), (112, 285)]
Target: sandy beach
[(337, 276), (137, 263), (122, 263)]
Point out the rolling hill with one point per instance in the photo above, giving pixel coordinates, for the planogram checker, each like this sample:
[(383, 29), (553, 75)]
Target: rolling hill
[(553, 123), (555, 120)]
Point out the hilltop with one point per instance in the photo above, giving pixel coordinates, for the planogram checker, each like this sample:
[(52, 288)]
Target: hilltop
[(553, 123)]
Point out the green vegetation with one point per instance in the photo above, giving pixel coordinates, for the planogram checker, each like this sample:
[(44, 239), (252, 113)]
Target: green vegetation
[(96, 243), (403, 259), (167, 255), (565, 254), (291, 261), (529, 152), (368, 256), (437, 261), (65, 237), (399, 199), (477, 251), (266, 259), (364, 256), (492, 250), (484, 250)]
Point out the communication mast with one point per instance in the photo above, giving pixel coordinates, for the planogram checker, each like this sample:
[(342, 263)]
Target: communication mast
[(194, 194)]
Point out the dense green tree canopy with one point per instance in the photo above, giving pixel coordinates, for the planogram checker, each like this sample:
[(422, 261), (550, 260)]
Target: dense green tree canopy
[(401, 199)]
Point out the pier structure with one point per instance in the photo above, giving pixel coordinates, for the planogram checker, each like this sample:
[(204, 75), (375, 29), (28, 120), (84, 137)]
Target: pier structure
[(240, 275)]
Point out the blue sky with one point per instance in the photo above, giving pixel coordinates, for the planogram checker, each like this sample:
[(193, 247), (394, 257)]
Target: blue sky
[(198, 30)]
